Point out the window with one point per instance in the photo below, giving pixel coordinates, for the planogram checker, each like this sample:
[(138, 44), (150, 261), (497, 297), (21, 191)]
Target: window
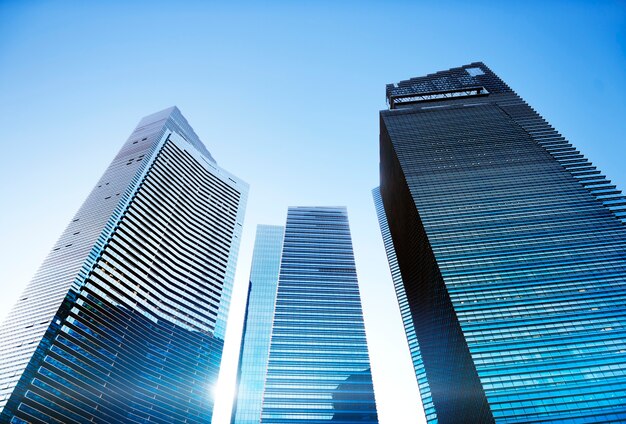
[(475, 71)]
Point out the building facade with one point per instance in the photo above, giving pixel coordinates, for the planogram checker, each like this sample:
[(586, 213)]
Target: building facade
[(313, 356), (257, 331), (405, 309), (125, 319), (510, 250)]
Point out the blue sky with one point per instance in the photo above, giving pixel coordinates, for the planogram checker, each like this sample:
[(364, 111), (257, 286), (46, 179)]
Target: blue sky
[(286, 96)]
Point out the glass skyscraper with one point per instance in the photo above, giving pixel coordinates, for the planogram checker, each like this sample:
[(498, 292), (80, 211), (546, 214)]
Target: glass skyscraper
[(508, 250), (268, 247), (311, 352), (125, 319)]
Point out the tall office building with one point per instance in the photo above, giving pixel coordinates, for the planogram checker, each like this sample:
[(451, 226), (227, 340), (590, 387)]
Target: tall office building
[(257, 331), (306, 360), (510, 254), (125, 319)]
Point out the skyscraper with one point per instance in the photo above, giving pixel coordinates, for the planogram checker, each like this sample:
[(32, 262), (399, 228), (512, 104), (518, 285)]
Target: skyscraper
[(311, 352), (257, 331), (125, 319), (510, 248)]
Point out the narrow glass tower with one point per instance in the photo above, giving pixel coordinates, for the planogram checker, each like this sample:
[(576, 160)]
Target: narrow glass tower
[(312, 355), (257, 331), (125, 319), (511, 252)]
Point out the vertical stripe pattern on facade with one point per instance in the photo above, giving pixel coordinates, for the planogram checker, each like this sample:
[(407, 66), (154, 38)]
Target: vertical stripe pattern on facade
[(138, 337), (32, 316), (529, 242), (257, 328), (319, 369)]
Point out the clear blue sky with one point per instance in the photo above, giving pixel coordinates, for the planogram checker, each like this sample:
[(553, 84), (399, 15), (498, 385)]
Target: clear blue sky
[(286, 96)]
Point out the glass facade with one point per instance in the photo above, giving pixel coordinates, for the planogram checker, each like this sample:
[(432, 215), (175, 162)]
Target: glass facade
[(405, 310), (318, 369), (124, 321), (257, 329), (512, 252)]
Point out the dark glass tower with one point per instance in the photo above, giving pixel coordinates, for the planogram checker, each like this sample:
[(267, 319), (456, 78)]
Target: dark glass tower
[(511, 252), (311, 352), (125, 319)]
